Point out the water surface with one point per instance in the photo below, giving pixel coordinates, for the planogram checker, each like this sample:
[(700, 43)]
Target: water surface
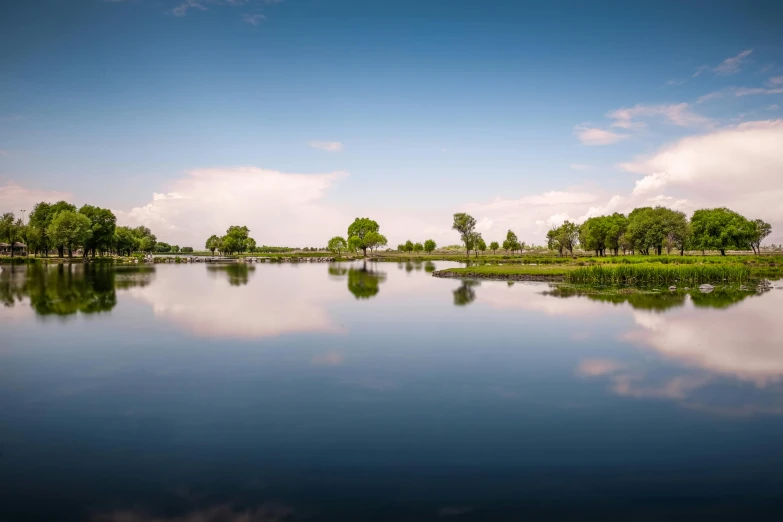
[(206, 393)]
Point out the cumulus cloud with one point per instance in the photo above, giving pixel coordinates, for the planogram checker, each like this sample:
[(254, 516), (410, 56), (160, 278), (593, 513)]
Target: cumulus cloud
[(329, 146), (733, 64), (279, 208), (14, 197), (739, 167), (596, 136)]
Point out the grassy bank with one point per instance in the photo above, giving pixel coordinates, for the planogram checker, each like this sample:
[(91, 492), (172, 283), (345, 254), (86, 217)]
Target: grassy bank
[(649, 274), (631, 270)]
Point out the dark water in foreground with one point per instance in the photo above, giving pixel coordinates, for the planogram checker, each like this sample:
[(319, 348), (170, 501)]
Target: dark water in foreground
[(191, 393)]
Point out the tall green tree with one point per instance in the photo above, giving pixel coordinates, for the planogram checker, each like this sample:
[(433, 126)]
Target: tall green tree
[(337, 245), (465, 224), (125, 241), (418, 247), (40, 218), (147, 239), (102, 223), (494, 247), (70, 229), (360, 229), (480, 245), (409, 246), (512, 241), (720, 229), (430, 246), (9, 230), (760, 230), (212, 244)]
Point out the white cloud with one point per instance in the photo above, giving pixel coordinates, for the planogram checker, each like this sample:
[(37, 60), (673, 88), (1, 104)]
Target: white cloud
[(329, 146), (710, 96), (775, 81), (182, 9), (773, 107), (595, 136), (14, 198), (739, 167), (253, 18), (678, 114), (279, 208), (676, 82), (750, 91), (733, 64), (700, 69)]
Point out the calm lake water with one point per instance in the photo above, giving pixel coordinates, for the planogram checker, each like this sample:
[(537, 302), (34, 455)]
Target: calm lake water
[(194, 393)]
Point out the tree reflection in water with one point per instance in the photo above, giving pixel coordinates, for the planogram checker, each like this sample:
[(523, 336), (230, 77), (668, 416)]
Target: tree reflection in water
[(238, 273), (464, 295), (659, 301), (363, 282), (66, 289)]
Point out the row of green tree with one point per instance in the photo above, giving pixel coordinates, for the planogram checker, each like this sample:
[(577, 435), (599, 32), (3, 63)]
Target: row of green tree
[(645, 230), (649, 230), (409, 246), (62, 228)]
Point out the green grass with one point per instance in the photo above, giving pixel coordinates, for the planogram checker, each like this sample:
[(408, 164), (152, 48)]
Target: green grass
[(509, 271), (643, 271), (649, 274)]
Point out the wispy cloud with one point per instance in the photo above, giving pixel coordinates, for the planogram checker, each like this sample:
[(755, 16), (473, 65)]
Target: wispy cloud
[(329, 146), (775, 81), (678, 114), (700, 69), (4, 153), (253, 18), (733, 64), (596, 136), (750, 91), (710, 96), (182, 9), (676, 82)]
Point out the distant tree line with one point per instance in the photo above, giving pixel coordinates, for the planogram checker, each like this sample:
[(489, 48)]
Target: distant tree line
[(650, 230), (646, 230), (409, 246), (60, 227)]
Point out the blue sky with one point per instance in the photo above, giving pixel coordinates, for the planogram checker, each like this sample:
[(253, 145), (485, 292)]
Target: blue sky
[(430, 106)]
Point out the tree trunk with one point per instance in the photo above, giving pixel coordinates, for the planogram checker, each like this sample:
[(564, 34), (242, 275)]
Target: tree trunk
[(722, 252), (364, 249), (70, 253), (61, 251)]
